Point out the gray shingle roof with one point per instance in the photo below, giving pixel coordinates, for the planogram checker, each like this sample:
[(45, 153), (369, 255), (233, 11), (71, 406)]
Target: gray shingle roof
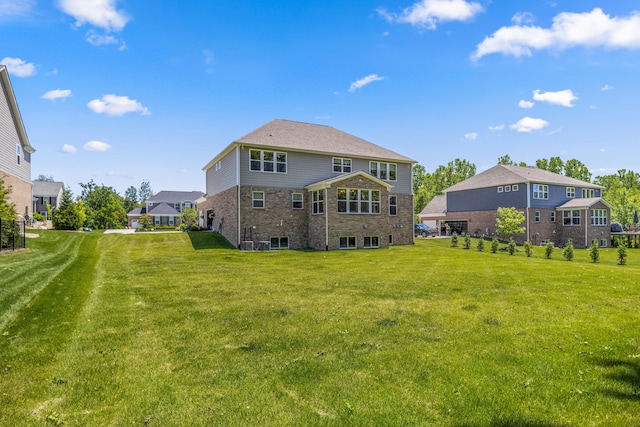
[(581, 203), (435, 208), (510, 174), (47, 189), (175, 196), (163, 209), (299, 136)]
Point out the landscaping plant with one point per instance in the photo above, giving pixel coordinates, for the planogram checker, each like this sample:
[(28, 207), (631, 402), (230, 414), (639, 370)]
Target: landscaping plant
[(567, 253), (548, 249), (594, 251)]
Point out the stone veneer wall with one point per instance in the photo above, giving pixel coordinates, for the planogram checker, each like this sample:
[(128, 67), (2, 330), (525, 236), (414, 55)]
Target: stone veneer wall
[(21, 194), (277, 218)]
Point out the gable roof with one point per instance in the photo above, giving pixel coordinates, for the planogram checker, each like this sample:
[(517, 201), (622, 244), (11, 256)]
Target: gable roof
[(584, 203), (47, 189), (289, 135), (435, 208), (175, 196), (15, 111), (163, 209), (326, 183), (511, 174)]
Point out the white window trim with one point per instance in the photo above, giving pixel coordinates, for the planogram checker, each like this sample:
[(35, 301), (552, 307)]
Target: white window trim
[(370, 202), (572, 217), (514, 187), (395, 205), (293, 201), (507, 188), (254, 199), (317, 207), (388, 169), (543, 190), (500, 189), (355, 242), (603, 219), (342, 165), (279, 246), (571, 192), (371, 245), (275, 161)]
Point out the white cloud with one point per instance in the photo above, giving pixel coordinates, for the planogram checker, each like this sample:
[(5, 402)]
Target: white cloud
[(428, 13), (114, 105), (588, 29), (562, 97), (470, 136), (57, 94), (68, 148), (96, 146), (99, 13), (100, 39), (523, 18), (19, 68), (364, 81), (496, 128), (528, 124), (606, 88), (13, 8), (526, 104)]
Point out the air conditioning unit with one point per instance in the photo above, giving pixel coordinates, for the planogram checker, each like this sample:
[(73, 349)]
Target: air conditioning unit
[(265, 246), (247, 245)]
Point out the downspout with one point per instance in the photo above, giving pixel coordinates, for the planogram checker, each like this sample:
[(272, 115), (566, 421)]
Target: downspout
[(238, 195), (326, 221), (528, 207), (586, 227)]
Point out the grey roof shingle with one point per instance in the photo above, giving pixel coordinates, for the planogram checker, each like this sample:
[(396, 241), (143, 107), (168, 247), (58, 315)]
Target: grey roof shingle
[(163, 209), (47, 189), (435, 208), (511, 174), (581, 203), (299, 136), (175, 196)]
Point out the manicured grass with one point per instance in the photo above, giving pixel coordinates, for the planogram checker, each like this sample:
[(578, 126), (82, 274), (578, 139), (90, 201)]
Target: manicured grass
[(180, 329)]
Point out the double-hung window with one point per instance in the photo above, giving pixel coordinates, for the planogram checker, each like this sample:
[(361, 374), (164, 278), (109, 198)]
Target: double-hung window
[(384, 171), (371, 242), (351, 200), (571, 192), (341, 165), (599, 217), (296, 201), (588, 193), (393, 205), (257, 199), (571, 217), (540, 191), (267, 161), (348, 242), (318, 201)]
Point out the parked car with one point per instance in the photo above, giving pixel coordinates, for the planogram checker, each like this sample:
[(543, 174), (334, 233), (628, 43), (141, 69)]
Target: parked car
[(616, 227), (424, 230)]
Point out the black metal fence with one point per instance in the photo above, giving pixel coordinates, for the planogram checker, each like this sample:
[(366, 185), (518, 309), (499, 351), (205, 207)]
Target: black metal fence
[(12, 235)]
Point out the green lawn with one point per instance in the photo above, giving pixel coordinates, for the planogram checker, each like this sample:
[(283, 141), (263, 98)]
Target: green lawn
[(179, 329)]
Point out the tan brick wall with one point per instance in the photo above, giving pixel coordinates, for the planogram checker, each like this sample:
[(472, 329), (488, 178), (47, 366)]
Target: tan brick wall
[(224, 207), (21, 193)]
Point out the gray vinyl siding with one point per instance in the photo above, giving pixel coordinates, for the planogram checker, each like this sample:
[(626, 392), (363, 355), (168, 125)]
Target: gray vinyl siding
[(483, 199), (8, 142), (226, 177), (558, 196), (308, 168)]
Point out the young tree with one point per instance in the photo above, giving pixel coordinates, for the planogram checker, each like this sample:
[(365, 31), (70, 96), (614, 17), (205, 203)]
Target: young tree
[(509, 222), (528, 248), (130, 199), (70, 215), (103, 205), (145, 221), (145, 192), (188, 216), (548, 250), (594, 251), (454, 239), (567, 253), (7, 208), (480, 245), (494, 245), (467, 241), (511, 246), (622, 253)]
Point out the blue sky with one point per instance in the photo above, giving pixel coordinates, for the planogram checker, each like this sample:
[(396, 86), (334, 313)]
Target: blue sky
[(124, 91)]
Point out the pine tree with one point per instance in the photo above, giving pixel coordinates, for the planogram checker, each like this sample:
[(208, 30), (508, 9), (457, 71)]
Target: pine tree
[(70, 215)]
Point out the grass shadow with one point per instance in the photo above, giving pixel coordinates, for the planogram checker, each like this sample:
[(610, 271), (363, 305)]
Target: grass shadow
[(624, 372), (209, 240), (512, 422)]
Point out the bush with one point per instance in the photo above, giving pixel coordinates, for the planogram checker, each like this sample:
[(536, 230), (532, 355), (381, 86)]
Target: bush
[(548, 250), (454, 239), (594, 252), (567, 253), (480, 245), (511, 246), (467, 241), (528, 248), (494, 245), (622, 253), (38, 217)]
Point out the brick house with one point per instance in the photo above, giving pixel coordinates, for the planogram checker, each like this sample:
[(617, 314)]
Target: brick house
[(298, 185), (165, 207), (15, 150), (556, 208)]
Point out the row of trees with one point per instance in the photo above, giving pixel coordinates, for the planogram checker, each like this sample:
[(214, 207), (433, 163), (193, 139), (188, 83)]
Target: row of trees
[(98, 206), (622, 189)]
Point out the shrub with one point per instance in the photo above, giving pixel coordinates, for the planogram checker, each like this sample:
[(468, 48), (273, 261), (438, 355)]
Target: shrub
[(622, 253), (480, 245), (38, 217), (467, 241), (494, 245), (548, 250), (528, 248), (594, 252), (567, 253), (454, 239), (511, 246)]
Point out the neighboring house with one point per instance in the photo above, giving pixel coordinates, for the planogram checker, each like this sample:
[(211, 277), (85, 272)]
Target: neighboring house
[(556, 208), (298, 185), (165, 207), (434, 213), (46, 193), (15, 150)]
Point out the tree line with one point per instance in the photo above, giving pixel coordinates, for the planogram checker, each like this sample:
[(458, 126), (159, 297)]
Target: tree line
[(621, 189)]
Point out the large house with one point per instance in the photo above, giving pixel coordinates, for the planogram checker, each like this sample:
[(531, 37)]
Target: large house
[(165, 207), (297, 185), (556, 208), (46, 196), (15, 150)]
